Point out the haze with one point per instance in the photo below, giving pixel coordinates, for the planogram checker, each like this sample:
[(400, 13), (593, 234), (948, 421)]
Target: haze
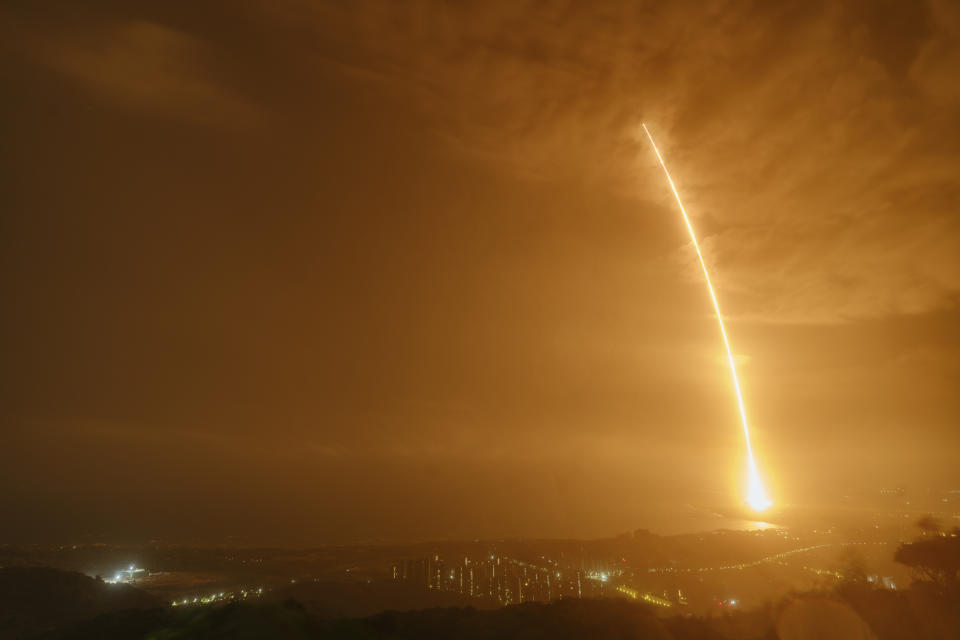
[(305, 272)]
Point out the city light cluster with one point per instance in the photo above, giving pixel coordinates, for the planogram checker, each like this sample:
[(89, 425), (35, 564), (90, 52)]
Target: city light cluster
[(126, 576), (222, 596)]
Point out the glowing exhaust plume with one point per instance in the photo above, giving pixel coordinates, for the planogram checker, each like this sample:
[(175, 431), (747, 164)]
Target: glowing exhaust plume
[(756, 495)]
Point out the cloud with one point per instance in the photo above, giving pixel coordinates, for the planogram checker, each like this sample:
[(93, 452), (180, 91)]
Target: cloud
[(453, 263), (808, 139), (146, 66), (812, 142)]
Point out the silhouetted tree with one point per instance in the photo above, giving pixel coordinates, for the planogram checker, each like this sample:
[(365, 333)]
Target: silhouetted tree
[(934, 560)]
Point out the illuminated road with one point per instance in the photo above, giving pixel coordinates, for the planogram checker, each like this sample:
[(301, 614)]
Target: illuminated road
[(646, 597)]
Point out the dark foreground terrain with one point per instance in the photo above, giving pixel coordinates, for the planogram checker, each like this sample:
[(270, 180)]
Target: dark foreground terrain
[(52, 604), (822, 616), (49, 604)]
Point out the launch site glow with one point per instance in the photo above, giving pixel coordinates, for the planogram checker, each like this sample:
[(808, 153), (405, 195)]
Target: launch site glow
[(756, 494)]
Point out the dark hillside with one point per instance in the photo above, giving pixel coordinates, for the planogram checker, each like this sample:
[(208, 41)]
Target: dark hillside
[(37, 599)]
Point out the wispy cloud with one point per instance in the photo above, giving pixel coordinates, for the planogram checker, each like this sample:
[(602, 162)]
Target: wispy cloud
[(143, 65), (808, 138)]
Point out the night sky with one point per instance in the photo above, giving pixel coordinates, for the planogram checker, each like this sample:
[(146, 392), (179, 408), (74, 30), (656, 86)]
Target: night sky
[(296, 272)]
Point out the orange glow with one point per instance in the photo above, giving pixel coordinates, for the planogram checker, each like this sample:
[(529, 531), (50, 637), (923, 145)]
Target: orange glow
[(756, 496)]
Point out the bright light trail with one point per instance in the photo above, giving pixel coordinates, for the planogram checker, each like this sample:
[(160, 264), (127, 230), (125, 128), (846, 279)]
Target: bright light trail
[(756, 495)]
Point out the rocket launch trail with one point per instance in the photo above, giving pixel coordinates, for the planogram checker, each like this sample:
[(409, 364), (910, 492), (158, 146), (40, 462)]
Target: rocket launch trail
[(756, 495)]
